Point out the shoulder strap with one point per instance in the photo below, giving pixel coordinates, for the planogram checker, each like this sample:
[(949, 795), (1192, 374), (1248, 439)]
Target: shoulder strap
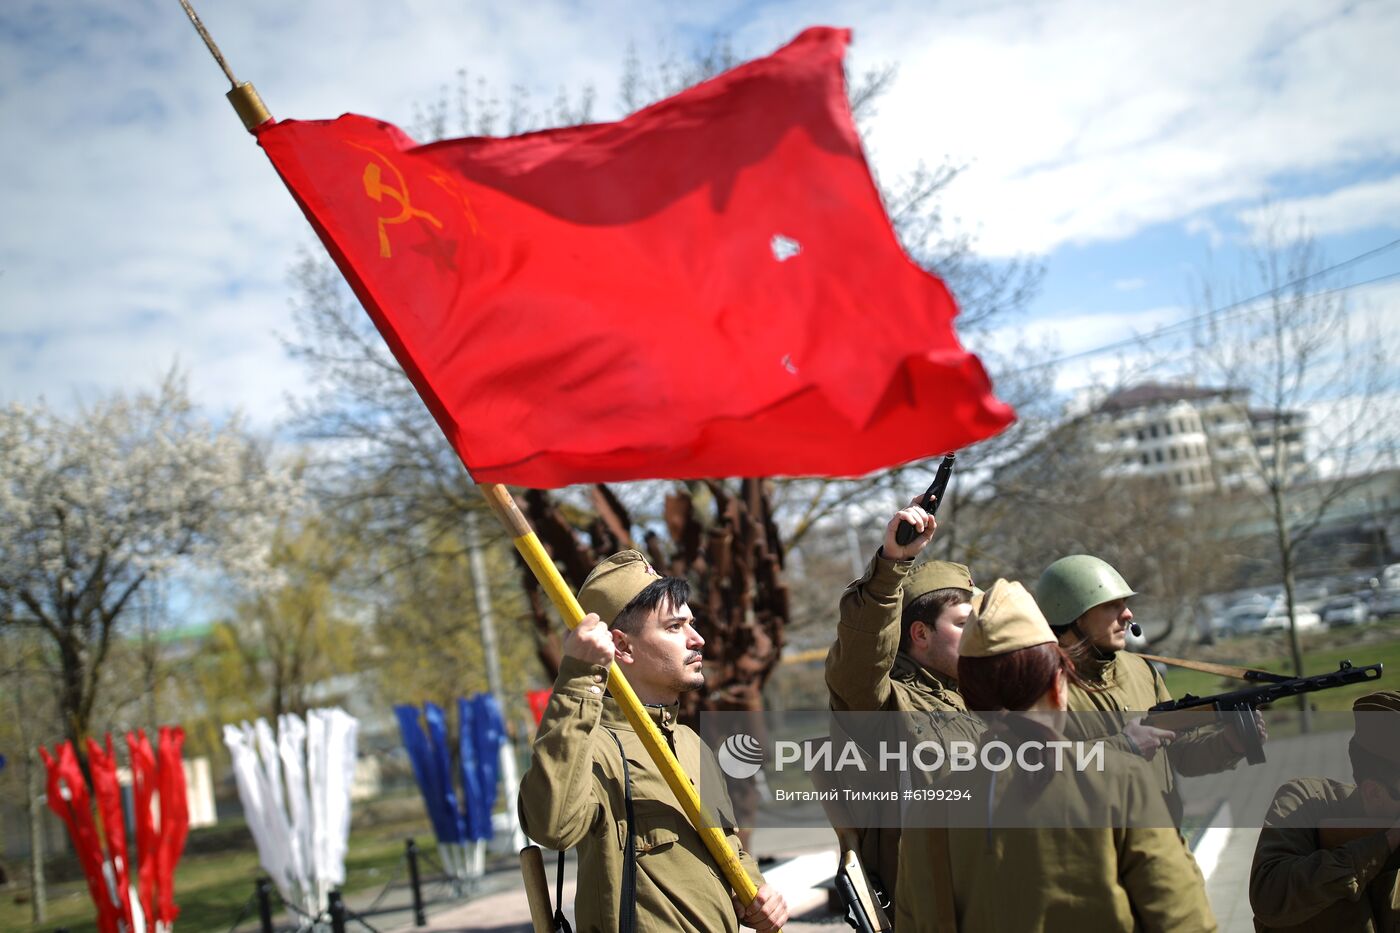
[(1224, 670), (561, 923), (627, 919)]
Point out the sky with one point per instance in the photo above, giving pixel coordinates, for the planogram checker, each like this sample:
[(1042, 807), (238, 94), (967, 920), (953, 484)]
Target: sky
[(1123, 146)]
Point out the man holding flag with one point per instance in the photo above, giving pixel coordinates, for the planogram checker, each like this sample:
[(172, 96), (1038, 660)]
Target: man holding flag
[(592, 785)]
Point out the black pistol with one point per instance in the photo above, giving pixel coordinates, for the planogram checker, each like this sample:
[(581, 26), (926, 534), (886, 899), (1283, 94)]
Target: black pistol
[(930, 502)]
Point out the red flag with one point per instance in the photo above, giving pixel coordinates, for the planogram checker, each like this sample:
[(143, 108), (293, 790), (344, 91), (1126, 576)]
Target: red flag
[(68, 797), (709, 287), (174, 821), (143, 789), (103, 765)]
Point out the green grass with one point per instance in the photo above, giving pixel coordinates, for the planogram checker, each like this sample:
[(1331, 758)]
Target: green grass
[(211, 888)]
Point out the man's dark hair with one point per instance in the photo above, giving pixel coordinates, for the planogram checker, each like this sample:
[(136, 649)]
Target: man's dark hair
[(927, 608), (673, 591), (1367, 765)]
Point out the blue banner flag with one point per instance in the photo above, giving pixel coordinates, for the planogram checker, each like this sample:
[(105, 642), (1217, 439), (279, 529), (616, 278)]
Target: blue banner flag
[(470, 772), (420, 755), (490, 734), (442, 766), (480, 733)]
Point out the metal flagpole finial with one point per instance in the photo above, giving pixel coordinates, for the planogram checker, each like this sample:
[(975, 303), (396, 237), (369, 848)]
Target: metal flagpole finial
[(244, 97)]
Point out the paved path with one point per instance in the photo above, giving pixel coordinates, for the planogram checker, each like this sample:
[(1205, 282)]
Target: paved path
[(507, 912), (1227, 883)]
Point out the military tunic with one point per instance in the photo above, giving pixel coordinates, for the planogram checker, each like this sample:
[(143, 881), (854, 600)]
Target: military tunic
[(1062, 879), (866, 671), (1129, 685), (573, 795), (1295, 885)]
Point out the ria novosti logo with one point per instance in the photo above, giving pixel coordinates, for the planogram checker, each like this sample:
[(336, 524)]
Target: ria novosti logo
[(741, 756)]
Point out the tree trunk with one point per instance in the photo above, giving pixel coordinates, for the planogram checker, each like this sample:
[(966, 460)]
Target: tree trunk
[(70, 695), (38, 889), (1285, 553)]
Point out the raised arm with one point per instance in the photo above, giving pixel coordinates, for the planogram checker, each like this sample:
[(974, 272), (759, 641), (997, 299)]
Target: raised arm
[(559, 797), (867, 635)]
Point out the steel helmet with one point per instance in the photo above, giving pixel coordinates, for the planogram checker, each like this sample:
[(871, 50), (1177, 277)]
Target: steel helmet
[(1073, 585)]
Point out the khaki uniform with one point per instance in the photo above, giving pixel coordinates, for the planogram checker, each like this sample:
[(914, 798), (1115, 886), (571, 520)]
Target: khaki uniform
[(866, 671), (1030, 880), (1130, 685), (1294, 885), (572, 795)]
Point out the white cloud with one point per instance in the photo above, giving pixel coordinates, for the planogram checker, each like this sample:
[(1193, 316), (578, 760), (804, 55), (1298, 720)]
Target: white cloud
[(1095, 351), (1086, 121), (1073, 343), (1354, 207), (1075, 332), (1129, 285), (1198, 226)]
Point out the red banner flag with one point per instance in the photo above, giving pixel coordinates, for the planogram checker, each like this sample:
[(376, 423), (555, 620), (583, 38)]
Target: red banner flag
[(709, 287), (174, 821), (158, 848), (102, 763), (68, 798), (143, 790)]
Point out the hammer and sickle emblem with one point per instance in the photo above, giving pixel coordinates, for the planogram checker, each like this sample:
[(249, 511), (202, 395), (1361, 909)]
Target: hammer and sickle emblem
[(445, 182), (376, 189)]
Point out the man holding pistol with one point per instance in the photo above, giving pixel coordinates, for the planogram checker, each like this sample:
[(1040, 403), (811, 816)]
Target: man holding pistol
[(896, 650)]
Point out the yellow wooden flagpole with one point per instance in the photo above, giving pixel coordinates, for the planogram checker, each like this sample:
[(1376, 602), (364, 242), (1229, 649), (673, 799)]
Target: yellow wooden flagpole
[(254, 113)]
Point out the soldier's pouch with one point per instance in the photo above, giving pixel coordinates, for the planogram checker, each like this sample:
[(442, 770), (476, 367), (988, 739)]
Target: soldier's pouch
[(655, 832)]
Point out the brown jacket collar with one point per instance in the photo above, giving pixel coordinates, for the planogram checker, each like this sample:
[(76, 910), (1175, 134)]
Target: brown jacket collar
[(663, 716), (911, 672)]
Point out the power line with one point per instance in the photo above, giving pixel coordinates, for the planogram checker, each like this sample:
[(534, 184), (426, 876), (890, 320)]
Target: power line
[(1213, 312)]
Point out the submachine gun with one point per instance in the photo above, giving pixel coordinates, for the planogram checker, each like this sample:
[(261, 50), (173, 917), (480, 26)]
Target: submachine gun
[(1237, 708)]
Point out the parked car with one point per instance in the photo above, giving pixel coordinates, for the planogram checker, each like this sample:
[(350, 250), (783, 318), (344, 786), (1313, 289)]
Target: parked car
[(1245, 619), (1276, 619), (1345, 610), (1385, 604), (1313, 591)]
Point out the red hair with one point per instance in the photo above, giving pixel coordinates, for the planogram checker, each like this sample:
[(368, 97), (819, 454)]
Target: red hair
[(1015, 680), (1011, 682)]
